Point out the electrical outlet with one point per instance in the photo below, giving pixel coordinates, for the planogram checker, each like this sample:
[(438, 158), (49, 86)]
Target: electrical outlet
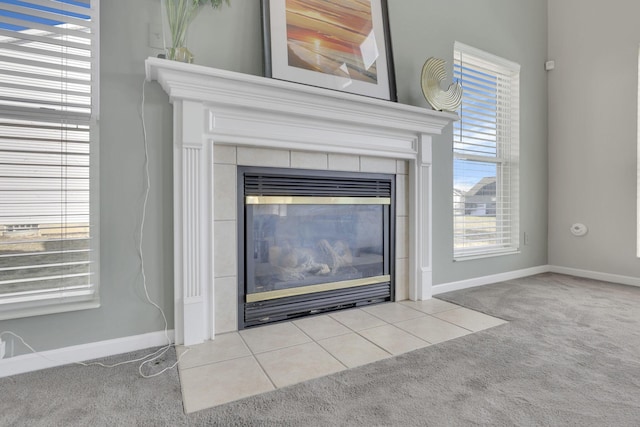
[(3, 348)]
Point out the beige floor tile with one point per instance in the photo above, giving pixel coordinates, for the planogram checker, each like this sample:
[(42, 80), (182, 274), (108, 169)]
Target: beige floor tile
[(224, 347), (430, 306), (393, 340), (217, 383), (299, 363), (393, 312), (272, 337), (320, 327), (353, 350), (469, 319), (357, 319), (432, 329)]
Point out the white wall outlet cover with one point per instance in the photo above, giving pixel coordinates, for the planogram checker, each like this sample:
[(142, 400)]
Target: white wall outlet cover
[(578, 229)]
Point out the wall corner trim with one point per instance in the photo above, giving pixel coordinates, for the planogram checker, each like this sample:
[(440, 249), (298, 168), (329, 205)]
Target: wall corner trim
[(79, 353)]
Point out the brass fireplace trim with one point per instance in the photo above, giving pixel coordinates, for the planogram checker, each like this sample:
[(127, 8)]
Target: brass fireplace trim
[(299, 200), (303, 290)]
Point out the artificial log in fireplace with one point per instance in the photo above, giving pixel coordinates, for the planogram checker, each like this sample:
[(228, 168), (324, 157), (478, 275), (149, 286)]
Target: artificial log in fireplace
[(312, 242)]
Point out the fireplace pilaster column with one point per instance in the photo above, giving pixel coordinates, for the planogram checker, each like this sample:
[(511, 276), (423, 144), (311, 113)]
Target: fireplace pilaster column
[(193, 231), (420, 206)]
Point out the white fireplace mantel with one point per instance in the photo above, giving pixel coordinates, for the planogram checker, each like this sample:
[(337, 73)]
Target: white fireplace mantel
[(212, 106)]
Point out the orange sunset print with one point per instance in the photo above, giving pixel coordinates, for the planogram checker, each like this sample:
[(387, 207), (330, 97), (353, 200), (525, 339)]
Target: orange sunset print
[(332, 37)]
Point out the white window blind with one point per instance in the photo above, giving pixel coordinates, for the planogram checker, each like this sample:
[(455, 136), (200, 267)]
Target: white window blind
[(485, 155), (48, 81)]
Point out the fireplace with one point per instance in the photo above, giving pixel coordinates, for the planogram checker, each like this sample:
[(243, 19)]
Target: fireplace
[(224, 119), (312, 241)]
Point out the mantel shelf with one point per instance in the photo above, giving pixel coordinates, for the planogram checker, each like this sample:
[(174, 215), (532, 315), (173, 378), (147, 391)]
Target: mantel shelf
[(231, 89)]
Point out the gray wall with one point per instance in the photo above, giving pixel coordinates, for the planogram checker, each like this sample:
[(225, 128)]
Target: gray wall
[(592, 134), (231, 39), (515, 30)]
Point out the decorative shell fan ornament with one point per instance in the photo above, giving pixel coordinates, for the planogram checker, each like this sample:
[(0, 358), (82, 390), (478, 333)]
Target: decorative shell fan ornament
[(433, 74)]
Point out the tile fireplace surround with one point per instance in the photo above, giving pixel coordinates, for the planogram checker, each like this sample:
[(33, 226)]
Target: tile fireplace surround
[(223, 119)]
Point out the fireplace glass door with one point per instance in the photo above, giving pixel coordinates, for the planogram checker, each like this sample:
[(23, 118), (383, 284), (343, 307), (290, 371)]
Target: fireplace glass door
[(302, 245)]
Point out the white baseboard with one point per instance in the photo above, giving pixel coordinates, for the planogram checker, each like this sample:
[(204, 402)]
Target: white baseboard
[(487, 280), (510, 275), (80, 353), (605, 277)]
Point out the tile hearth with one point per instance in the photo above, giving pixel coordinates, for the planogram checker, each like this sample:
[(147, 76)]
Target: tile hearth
[(253, 361)]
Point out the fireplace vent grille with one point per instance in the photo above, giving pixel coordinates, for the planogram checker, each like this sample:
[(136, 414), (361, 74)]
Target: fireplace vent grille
[(259, 313), (293, 185)]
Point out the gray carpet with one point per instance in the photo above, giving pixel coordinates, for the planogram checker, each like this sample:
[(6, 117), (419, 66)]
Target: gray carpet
[(569, 356)]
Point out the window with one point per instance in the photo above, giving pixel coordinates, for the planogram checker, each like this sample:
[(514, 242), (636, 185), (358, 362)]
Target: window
[(485, 155), (48, 93)]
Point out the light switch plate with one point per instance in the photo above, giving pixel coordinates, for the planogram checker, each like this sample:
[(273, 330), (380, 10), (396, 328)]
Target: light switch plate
[(155, 36)]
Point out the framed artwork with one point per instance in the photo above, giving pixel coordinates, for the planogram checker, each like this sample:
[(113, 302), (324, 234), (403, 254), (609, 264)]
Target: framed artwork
[(336, 44)]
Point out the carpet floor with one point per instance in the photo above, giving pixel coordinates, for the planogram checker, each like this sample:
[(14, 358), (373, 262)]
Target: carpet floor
[(570, 355)]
